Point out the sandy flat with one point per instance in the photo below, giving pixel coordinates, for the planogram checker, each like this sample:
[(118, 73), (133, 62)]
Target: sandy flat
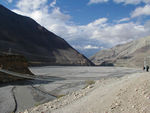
[(129, 94)]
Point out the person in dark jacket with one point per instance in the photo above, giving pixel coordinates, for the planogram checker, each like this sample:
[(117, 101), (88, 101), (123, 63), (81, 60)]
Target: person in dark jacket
[(143, 68), (147, 68)]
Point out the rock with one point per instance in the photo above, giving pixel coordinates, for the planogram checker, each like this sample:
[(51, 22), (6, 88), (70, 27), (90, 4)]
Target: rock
[(144, 92), (136, 89), (148, 97), (122, 109), (133, 106), (116, 104), (90, 86)]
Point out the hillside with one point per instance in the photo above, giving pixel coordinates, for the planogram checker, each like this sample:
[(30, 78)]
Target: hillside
[(40, 47), (15, 63), (128, 94), (131, 54)]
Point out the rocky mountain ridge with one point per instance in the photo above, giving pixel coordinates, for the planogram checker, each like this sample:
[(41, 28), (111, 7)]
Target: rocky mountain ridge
[(132, 54), (39, 46)]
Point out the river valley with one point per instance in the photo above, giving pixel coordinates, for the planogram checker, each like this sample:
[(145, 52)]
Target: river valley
[(18, 96)]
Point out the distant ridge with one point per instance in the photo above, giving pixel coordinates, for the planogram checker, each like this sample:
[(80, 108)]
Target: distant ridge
[(41, 47), (132, 54)]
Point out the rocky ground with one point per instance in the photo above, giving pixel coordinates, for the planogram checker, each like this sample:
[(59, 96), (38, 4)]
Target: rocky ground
[(23, 95), (128, 94)]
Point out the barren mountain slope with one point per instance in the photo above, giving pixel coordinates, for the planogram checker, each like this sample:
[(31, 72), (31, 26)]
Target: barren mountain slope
[(40, 46), (130, 54)]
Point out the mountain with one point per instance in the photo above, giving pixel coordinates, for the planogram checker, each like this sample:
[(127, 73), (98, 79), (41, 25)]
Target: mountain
[(88, 52), (22, 35), (132, 54)]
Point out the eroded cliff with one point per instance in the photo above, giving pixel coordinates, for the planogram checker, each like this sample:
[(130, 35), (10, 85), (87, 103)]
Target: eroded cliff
[(14, 63)]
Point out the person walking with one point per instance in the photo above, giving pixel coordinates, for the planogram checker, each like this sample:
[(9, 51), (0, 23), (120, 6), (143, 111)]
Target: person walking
[(147, 68), (143, 68)]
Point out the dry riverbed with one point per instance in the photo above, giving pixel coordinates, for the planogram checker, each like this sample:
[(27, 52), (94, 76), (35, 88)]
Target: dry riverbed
[(23, 95), (129, 94)]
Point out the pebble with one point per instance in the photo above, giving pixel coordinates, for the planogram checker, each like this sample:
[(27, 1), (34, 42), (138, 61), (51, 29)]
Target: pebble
[(76, 94), (90, 87), (136, 89), (122, 109), (133, 106), (143, 92), (148, 97), (116, 104)]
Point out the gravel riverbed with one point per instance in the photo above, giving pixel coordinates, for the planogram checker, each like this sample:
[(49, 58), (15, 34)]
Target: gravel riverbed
[(18, 96)]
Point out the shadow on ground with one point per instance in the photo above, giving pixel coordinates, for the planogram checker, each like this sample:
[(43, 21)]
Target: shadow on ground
[(44, 80)]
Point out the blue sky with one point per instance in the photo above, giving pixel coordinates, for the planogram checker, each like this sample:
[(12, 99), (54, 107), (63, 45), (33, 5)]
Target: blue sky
[(89, 25)]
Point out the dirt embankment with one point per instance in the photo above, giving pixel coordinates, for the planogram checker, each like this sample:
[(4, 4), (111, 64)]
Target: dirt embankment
[(129, 94), (15, 63)]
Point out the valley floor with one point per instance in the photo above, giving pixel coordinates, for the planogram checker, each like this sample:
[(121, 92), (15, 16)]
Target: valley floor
[(61, 81), (128, 94)]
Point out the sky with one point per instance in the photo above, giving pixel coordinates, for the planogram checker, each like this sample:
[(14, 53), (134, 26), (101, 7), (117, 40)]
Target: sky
[(89, 25)]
